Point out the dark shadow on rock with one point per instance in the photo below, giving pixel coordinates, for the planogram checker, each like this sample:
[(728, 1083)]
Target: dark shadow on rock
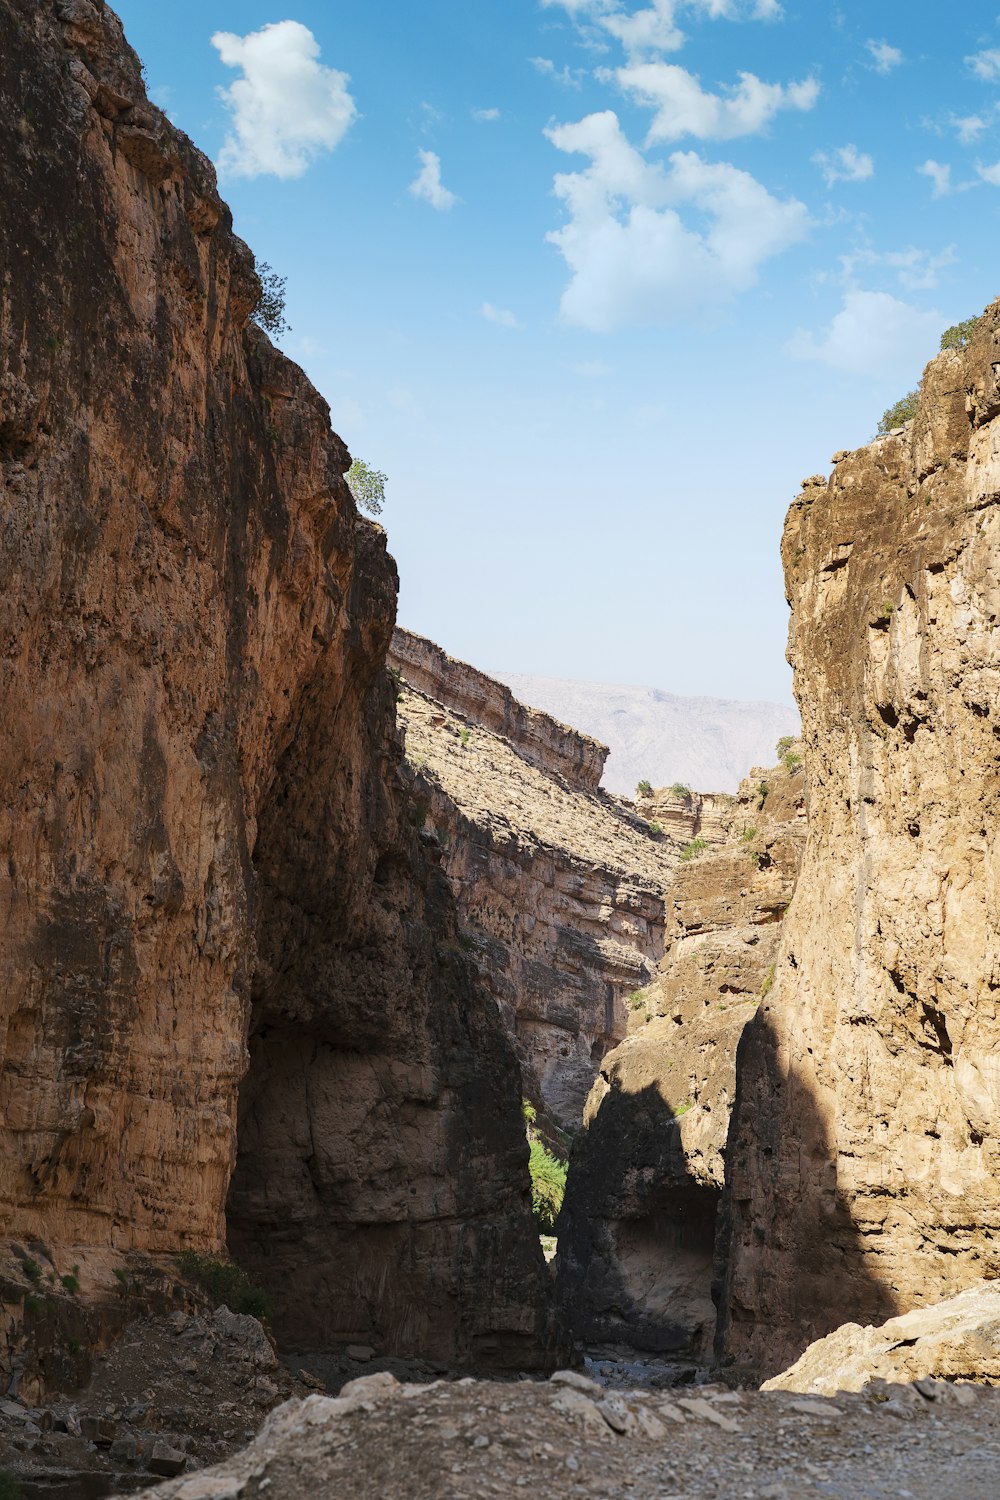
[(791, 1263), (636, 1233), (381, 1191)]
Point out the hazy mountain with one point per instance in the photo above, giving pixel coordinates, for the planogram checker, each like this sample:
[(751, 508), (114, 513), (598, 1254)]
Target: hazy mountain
[(708, 743)]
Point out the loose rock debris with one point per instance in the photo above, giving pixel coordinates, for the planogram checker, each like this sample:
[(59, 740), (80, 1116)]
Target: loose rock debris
[(569, 1437)]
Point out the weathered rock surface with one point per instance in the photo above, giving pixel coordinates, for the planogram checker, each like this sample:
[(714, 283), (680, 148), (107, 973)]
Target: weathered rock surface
[(381, 1441), (561, 889), (637, 1231), (205, 829), (866, 1155), (958, 1339), (544, 742), (662, 737)]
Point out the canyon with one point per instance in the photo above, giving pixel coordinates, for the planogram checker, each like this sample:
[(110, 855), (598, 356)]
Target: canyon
[(234, 1009), (560, 887), (300, 910)]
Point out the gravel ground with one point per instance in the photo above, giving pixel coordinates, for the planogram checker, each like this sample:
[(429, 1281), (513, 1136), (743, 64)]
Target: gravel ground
[(572, 1438)]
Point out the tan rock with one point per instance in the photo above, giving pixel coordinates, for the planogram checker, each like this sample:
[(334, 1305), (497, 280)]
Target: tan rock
[(866, 1159), (958, 1339), (637, 1231), (221, 945)]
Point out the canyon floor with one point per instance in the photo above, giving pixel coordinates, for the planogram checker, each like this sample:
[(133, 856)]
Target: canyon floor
[(480, 1439)]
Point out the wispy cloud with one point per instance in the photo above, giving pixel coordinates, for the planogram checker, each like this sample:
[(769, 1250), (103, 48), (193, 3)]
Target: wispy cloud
[(844, 164), (884, 57), (986, 64), (570, 78), (939, 174), (485, 115), (428, 185), (501, 316), (287, 108)]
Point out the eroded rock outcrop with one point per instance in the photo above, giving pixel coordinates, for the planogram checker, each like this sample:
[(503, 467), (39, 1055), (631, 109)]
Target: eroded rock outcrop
[(637, 1231), (958, 1339), (205, 830), (561, 888), (866, 1157)]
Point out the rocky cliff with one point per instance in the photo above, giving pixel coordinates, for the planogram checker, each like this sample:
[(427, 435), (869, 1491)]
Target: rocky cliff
[(865, 1163), (561, 888), (227, 968), (637, 1231)]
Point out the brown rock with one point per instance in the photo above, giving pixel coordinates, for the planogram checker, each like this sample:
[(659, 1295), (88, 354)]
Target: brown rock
[(166, 1460), (866, 1159), (213, 888), (637, 1231), (560, 888)]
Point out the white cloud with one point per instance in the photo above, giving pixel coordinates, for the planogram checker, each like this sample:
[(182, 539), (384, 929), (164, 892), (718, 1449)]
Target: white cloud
[(654, 27), (569, 77), (884, 57), (873, 334), (502, 316), (684, 108), (484, 115), (916, 270), (990, 174), (939, 174), (844, 164), (968, 127), (633, 258), (287, 108), (986, 65), (428, 185)]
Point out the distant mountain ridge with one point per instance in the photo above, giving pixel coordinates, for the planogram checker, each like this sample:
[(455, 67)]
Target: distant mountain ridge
[(708, 743)]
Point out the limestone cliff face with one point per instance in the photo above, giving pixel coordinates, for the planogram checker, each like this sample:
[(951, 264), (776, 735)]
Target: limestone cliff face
[(637, 1231), (206, 837), (561, 889), (539, 739), (866, 1159)]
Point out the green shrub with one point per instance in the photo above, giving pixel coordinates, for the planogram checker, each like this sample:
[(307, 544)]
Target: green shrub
[(903, 411), (224, 1283), (959, 334), (71, 1284), (548, 1186), (749, 834), (32, 1270), (680, 790), (783, 746), (463, 735), (763, 787), (768, 981), (269, 312), (692, 850), (656, 828), (791, 760), (644, 789), (637, 1000), (367, 485)]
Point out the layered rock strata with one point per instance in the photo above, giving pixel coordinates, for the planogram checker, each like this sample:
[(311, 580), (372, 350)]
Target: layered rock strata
[(637, 1231), (560, 888), (207, 837), (539, 739), (865, 1166)]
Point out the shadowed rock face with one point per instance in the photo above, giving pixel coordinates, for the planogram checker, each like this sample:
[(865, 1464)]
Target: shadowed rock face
[(637, 1231), (205, 831), (865, 1164)]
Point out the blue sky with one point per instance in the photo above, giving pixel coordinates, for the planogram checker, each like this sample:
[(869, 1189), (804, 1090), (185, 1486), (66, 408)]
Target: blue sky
[(597, 283)]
